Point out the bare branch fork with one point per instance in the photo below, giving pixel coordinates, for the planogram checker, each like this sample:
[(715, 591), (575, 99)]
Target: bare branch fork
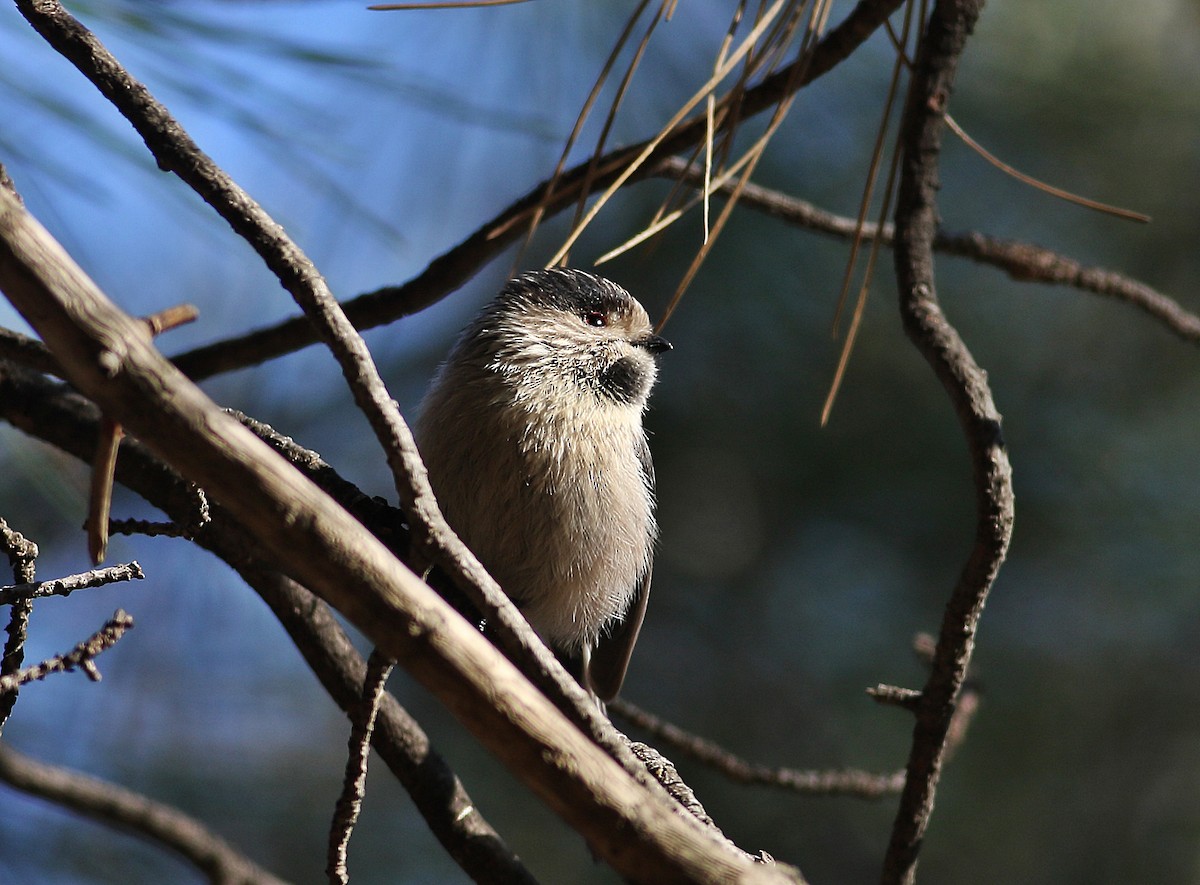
[(107, 803), (82, 656), (949, 25)]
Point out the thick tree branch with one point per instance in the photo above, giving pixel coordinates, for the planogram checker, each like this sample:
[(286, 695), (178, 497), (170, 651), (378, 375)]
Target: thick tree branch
[(108, 356), (66, 420), (114, 806), (916, 225)]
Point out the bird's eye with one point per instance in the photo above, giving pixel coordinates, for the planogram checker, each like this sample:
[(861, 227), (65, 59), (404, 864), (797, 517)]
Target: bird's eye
[(595, 318)]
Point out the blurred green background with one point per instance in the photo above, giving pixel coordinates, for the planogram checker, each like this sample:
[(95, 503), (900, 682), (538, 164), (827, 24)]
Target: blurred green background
[(796, 563)]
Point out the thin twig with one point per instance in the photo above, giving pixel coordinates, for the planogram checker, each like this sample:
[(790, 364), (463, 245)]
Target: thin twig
[(842, 782), (895, 696), (438, 794), (926, 325), (354, 786), (889, 190), (1060, 193), (82, 656), (198, 517), (171, 318), (129, 571), (117, 807)]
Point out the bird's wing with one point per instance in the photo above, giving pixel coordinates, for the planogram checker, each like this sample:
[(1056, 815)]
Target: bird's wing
[(606, 669), (610, 660)]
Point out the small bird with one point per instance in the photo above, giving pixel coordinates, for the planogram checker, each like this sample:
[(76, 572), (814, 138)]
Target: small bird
[(532, 435)]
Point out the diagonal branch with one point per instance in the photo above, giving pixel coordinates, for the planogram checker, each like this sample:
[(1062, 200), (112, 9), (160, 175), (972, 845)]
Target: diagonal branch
[(114, 806), (916, 225)]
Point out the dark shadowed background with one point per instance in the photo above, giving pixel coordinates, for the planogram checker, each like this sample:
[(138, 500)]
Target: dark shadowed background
[(796, 562)]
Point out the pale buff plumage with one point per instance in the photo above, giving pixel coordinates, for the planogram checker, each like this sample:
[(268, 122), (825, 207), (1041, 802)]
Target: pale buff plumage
[(532, 434)]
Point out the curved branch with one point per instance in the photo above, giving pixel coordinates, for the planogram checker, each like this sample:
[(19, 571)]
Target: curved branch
[(926, 325), (114, 806), (354, 784)]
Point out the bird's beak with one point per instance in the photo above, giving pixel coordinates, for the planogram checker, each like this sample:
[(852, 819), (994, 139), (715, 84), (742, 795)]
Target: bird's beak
[(654, 343)]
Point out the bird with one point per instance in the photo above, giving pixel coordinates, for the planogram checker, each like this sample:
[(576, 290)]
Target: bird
[(532, 436)]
